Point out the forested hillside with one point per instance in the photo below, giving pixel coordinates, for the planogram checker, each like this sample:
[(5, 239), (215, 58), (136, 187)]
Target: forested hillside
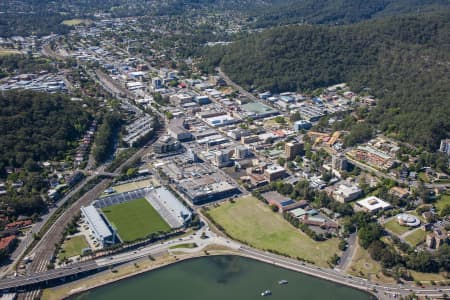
[(404, 61), (43, 17), (36, 127), (339, 11)]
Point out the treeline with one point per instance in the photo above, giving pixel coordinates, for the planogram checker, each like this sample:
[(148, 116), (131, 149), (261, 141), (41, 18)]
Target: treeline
[(403, 61), (397, 257), (17, 64), (106, 137), (35, 127)]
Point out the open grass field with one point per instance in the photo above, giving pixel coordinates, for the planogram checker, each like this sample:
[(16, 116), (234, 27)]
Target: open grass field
[(135, 219), (251, 221), (5, 52), (416, 237), (73, 247), (74, 22), (443, 201), (396, 228), (363, 265), (132, 186)]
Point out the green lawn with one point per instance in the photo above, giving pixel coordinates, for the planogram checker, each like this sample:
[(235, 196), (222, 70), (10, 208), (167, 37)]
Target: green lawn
[(73, 247), (416, 237), (396, 228), (251, 221), (187, 245), (135, 219), (443, 201), (74, 22)]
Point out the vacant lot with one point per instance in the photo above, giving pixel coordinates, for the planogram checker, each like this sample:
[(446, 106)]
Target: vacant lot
[(251, 221), (135, 219), (73, 247)]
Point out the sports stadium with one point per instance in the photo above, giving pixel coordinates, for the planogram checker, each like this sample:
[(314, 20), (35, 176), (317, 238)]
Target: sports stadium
[(134, 215)]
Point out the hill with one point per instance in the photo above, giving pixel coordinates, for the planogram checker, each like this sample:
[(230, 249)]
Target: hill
[(404, 61), (339, 11), (37, 127)]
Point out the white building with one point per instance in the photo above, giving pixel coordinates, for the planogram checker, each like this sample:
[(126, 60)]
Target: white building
[(346, 193), (373, 204)]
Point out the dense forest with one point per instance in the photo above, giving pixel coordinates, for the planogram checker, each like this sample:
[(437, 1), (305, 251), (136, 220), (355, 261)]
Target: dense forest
[(106, 137), (404, 61), (37, 127), (339, 11)]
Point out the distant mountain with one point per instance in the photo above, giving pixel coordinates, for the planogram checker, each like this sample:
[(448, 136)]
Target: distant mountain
[(403, 60)]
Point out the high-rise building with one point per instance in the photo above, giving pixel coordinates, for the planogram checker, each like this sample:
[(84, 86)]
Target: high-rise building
[(157, 83), (339, 162), (292, 149)]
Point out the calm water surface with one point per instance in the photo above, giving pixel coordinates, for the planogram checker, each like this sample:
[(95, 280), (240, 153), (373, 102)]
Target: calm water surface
[(222, 278)]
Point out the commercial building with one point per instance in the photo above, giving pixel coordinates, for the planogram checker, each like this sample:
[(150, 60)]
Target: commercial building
[(292, 149), (302, 125), (166, 144), (345, 193), (177, 130), (373, 204), (221, 159), (257, 110), (241, 152), (157, 83), (274, 172), (100, 230)]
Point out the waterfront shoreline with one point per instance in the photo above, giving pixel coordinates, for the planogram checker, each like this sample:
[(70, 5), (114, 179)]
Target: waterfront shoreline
[(82, 287)]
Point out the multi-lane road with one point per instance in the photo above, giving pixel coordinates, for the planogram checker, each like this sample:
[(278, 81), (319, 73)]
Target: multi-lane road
[(384, 291)]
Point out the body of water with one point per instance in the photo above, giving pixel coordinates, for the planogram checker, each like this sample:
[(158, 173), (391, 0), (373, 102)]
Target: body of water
[(222, 278)]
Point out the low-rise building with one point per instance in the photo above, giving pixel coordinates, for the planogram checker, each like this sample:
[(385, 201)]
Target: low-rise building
[(345, 193), (373, 204), (274, 172)]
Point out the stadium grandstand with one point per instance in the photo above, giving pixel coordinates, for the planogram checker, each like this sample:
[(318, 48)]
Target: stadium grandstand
[(169, 207), (98, 225)]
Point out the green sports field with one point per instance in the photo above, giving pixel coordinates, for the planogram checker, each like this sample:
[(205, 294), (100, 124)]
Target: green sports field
[(135, 219)]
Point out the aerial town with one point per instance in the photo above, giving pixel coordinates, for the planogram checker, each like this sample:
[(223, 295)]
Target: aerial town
[(199, 162)]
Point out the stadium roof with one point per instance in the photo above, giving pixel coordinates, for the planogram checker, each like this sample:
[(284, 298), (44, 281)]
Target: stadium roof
[(98, 225), (174, 205)]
